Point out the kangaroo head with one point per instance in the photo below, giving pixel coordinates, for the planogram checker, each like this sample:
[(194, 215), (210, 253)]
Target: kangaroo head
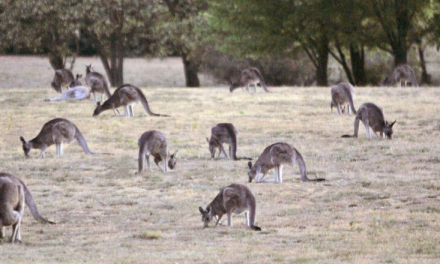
[(206, 215), (233, 86), (388, 129), (98, 109), (89, 68), (26, 147), (212, 147), (173, 160), (76, 82)]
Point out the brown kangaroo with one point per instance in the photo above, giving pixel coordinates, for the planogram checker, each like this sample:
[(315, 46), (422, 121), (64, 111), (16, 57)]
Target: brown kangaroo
[(401, 74), (11, 208), (126, 95), (250, 76), (275, 156), (155, 143), (342, 94), (224, 133), (372, 116), (63, 77), (235, 198), (29, 199), (57, 131), (96, 82)]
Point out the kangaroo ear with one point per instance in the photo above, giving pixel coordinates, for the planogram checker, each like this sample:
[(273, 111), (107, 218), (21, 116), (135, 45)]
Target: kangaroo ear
[(22, 140), (98, 104), (250, 165), (201, 210), (392, 124), (175, 154), (208, 209)]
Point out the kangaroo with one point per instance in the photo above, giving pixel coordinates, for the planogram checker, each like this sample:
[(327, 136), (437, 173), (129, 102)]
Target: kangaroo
[(97, 83), (126, 95), (275, 156), (250, 76), (401, 74), (11, 208), (155, 143), (342, 94), (224, 133), (29, 199), (57, 131), (235, 198), (63, 77), (372, 116), (76, 92)]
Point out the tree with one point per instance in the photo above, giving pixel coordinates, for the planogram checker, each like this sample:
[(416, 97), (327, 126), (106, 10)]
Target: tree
[(397, 21), (41, 26), (112, 25)]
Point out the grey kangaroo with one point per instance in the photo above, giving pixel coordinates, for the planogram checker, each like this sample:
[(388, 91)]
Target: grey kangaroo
[(401, 74), (96, 82), (154, 143), (372, 116), (13, 195), (250, 76), (125, 96), (57, 131), (224, 133), (342, 94), (235, 198), (275, 156), (63, 77)]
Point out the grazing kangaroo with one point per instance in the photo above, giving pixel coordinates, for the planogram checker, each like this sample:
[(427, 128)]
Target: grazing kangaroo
[(63, 77), (11, 208), (372, 116), (97, 83), (342, 94), (250, 76), (235, 198), (275, 156), (224, 133), (401, 74), (76, 92), (155, 143), (29, 199), (126, 95), (57, 131)]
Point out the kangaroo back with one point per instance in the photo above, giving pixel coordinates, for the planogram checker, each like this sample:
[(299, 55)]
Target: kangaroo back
[(82, 142), (260, 77), (144, 102)]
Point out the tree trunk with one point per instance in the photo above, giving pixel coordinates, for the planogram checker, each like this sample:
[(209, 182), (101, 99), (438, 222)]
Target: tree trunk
[(357, 56), (191, 69), (400, 54), (425, 76), (323, 50)]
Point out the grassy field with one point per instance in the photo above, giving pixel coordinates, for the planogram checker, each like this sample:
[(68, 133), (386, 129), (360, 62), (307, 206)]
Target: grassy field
[(380, 203)]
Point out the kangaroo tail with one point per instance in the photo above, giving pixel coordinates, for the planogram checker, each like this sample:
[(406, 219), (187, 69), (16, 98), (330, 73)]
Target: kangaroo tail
[(32, 206), (252, 212), (262, 82), (302, 166), (347, 136), (350, 99), (144, 102), (82, 142)]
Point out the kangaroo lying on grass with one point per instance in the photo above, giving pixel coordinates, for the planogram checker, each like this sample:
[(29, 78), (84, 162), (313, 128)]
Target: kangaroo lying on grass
[(126, 95), (97, 83), (76, 92), (372, 116), (401, 74), (57, 131), (342, 94), (275, 156), (63, 77), (155, 143), (235, 198), (224, 133), (13, 195), (250, 76)]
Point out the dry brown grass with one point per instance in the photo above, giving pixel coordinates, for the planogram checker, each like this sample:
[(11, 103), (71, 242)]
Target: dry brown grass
[(379, 205)]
